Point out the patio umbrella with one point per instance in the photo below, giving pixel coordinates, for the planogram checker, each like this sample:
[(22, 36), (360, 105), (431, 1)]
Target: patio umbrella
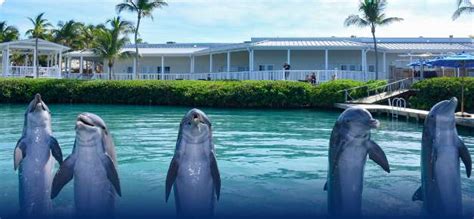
[(463, 61), (421, 64)]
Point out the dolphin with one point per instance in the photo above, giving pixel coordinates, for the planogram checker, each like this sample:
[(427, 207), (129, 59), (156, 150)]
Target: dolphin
[(193, 172), (33, 156), (441, 149), (348, 148), (93, 166)]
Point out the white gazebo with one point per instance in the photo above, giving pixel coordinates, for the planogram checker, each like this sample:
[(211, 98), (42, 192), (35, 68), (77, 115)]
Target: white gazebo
[(24, 64)]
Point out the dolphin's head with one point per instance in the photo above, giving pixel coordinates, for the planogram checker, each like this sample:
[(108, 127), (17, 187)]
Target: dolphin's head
[(195, 126), (37, 114), (358, 122), (90, 128), (441, 116)]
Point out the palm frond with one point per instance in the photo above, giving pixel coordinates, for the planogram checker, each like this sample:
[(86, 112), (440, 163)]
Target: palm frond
[(390, 20), (462, 10), (355, 20)]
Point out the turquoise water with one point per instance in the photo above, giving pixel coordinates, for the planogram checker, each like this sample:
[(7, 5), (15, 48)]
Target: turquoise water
[(271, 161)]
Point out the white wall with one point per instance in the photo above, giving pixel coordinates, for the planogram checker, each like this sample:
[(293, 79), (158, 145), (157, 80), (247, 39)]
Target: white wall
[(177, 64), (270, 57)]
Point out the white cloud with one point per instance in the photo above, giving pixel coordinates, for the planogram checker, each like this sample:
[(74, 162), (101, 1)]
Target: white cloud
[(1, 2)]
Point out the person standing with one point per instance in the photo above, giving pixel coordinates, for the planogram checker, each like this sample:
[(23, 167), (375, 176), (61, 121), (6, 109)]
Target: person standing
[(287, 68)]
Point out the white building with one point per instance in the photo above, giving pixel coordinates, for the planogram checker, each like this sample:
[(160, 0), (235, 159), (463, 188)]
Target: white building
[(263, 59)]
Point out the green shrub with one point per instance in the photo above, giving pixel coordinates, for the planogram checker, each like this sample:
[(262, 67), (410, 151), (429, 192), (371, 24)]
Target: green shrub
[(431, 91), (261, 94)]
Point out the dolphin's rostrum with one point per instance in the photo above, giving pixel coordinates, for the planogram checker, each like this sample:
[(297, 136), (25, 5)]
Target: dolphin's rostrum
[(93, 166), (348, 148), (33, 158), (441, 150), (193, 171)]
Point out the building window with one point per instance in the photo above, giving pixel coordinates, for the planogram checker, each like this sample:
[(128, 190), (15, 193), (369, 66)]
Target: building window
[(167, 69), (129, 70), (265, 68), (371, 68), (352, 68), (343, 67)]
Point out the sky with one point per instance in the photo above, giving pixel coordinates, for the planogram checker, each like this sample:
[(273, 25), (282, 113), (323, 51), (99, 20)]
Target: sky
[(232, 21)]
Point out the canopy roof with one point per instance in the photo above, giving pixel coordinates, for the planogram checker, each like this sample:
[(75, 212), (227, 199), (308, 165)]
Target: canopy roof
[(30, 44)]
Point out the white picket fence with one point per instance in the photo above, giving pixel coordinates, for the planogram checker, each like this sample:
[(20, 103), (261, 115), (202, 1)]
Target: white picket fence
[(29, 71), (291, 75)]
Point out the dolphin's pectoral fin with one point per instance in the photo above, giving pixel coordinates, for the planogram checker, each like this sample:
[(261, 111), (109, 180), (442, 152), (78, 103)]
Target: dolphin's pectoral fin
[(19, 154), (216, 176), (465, 157), (56, 150), (378, 156), (171, 176), (112, 173), (326, 186), (418, 196), (63, 176)]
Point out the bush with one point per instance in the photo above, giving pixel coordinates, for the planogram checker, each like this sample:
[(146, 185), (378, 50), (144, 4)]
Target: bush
[(261, 94), (431, 91)]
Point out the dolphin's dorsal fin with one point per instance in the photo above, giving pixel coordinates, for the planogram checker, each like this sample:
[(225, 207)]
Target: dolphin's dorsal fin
[(171, 176), (56, 150), (326, 186), (63, 176), (377, 155), (19, 154), (216, 177), (418, 196), (465, 157)]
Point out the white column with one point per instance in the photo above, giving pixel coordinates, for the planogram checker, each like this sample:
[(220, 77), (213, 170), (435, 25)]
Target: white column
[(288, 57), (228, 61), (134, 69), (326, 59), (34, 62), (60, 62), (363, 60), (69, 63), (384, 63), (93, 67), (251, 60), (192, 64), (210, 63), (81, 65), (162, 68)]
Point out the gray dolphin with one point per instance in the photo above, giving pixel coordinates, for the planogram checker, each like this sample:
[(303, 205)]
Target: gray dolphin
[(193, 170), (33, 158), (94, 168), (441, 149), (348, 148)]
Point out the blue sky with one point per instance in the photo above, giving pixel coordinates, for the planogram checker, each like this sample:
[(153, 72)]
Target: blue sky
[(239, 20)]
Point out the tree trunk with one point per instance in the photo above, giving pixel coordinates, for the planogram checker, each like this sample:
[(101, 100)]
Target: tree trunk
[(376, 54), (136, 46), (111, 65), (37, 58)]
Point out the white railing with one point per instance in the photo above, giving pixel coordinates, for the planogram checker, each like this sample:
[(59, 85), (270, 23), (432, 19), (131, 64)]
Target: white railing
[(29, 71), (290, 75)]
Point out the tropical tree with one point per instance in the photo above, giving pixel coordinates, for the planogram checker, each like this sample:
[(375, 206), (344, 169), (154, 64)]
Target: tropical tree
[(464, 6), (39, 31), (143, 9), (89, 35), (69, 34), (8, 33), (109, 42), (372, 15)]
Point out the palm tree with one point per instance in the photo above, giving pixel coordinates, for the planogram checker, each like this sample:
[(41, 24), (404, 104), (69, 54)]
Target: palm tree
[(143, 9), (464, 6), (39, 30), (8, 33), (68, 34), (372, 15), (109, 42)]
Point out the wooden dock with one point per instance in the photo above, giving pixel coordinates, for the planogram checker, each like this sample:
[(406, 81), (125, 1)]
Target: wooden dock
[(405, 112)]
